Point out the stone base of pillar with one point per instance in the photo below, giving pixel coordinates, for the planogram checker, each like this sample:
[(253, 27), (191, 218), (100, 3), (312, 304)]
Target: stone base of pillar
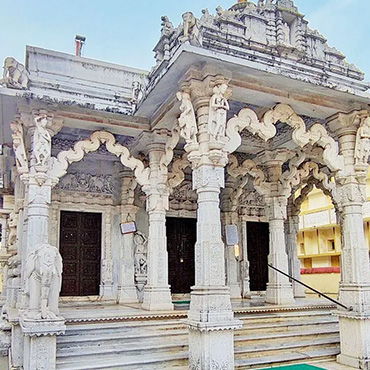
[(354, 340), (280, 294), (127, 294), (157, 299), (40, 340), (298, 290), (235, 291), (356, 296), (107, 291), (16, 349), (211, 349), (211, 329)]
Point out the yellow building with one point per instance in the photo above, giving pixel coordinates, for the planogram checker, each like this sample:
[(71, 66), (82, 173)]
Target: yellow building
[(319, 240)]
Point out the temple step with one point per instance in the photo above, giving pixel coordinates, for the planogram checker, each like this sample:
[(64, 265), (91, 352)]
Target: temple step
[(266, 339)]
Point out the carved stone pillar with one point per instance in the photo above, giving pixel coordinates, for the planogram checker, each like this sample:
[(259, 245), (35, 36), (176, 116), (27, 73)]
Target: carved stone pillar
[(355, 285), (211, 319), (210, 308), (231, 218), (126, 289), (39, 329), (292, 229), (157, 294), (279, 289)]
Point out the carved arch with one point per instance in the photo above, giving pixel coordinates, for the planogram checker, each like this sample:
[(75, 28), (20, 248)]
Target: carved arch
[(265, 129), (248, 167), (295, 176), (61, 163)]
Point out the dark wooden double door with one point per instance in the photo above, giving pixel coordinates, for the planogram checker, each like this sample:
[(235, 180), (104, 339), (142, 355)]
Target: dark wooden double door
[(80, 247), (258, 251), (181, 238)]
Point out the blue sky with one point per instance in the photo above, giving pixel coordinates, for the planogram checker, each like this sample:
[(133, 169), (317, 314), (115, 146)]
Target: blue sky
[(125, 31)]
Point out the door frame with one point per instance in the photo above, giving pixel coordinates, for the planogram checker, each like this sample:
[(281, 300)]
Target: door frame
[(79, 203)]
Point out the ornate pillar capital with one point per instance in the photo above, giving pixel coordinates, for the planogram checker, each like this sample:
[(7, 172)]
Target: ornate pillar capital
[(277, 207), (344, 123), (204, 106)]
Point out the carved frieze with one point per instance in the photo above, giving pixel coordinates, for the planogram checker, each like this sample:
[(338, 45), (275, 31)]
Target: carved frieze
[(87, 183)]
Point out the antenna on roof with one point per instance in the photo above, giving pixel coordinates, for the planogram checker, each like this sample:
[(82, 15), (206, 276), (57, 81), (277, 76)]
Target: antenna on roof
[(80, 41)]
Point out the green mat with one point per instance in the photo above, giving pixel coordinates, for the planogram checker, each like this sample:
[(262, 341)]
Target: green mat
[(297, 367)]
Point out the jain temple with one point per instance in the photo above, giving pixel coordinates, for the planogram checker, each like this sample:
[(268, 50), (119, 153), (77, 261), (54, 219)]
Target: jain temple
[(149, 219)]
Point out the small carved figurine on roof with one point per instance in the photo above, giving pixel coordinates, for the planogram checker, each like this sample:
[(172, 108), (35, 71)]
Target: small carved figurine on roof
[(167, 26), (189, 23), (15, 75), (226, 13)]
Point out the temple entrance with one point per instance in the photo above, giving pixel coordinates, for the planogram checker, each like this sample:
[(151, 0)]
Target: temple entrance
[(258, 250), (181, 238), (80, 247)]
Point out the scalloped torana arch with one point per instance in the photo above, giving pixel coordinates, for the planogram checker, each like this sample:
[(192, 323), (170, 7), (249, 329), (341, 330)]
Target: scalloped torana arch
[(61, 163), (266, 130)]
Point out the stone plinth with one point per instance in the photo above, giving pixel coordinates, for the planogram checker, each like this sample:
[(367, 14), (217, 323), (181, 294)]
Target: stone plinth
[(40, 338), (355, 345)]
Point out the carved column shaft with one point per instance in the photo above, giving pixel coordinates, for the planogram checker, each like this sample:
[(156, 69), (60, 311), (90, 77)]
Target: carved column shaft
[(292, 229), (354, 289), (157, 295), (279, 288), (231, 218), (210, 306), (127, 289), (38, 215), (355, 253)]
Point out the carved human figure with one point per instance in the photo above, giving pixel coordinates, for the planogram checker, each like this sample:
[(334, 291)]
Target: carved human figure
[(137, 91), (15, 74), (12, 231), (362, 151), (18, 146), (218, 108), (189, 23), (140, 242), (41, 141), (43, 279), (286, 33), (187, 120), (167, 25)]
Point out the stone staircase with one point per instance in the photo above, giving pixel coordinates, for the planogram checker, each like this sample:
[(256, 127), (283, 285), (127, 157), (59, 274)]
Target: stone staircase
[(267, 338)]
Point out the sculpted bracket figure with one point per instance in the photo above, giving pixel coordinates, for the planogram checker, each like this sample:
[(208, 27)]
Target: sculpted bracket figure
[(41, 141), (218, 112), (19, 146), (362, 150), (187, 120), (43, 280)]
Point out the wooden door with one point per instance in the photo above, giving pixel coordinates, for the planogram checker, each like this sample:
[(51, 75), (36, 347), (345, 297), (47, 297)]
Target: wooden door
[(258, 250), (80, 247), (181, 238)]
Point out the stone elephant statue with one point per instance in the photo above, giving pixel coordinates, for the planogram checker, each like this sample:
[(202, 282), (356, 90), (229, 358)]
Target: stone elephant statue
[(43, 280), (15, 74)]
